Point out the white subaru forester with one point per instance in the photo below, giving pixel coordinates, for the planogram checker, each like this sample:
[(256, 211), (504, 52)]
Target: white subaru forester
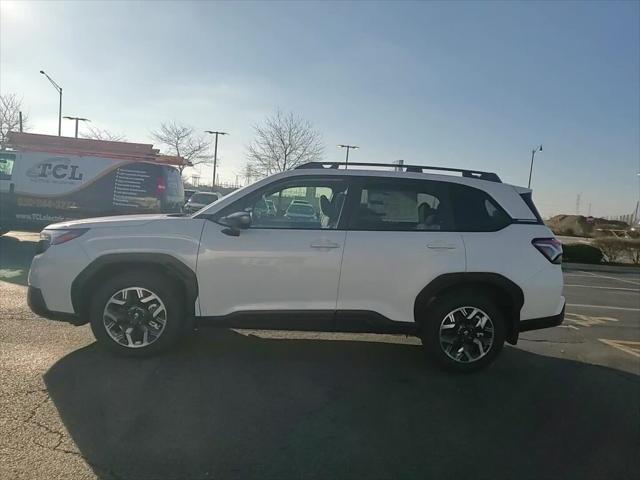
[(457, 258)]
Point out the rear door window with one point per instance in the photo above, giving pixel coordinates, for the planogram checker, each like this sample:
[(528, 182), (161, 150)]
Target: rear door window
[(402, 205)]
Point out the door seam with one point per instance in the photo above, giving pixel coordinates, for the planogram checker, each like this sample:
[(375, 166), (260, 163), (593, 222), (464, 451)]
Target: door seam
[(344, 248)]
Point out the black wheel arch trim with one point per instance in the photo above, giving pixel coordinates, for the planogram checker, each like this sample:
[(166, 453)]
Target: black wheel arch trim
[(460, 279), (164, 260)]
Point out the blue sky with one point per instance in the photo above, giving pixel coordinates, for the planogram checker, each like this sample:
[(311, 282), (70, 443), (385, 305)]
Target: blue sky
[(473, 84)]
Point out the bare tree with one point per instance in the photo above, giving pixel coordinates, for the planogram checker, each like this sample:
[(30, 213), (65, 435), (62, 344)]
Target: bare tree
[(10, 108), (282, 143), (181, 140), (248, 173), (96, 133)]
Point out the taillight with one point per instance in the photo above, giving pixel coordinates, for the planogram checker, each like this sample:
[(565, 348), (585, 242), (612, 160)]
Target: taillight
[(161, 186), (550, 248)]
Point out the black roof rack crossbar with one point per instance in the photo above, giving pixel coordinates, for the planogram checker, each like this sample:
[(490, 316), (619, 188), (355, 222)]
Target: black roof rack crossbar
[(489, 176)]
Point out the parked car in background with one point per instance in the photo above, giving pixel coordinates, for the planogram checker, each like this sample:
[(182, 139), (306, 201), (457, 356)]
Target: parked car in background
[(199, 200), (301, 211), (463, 262)]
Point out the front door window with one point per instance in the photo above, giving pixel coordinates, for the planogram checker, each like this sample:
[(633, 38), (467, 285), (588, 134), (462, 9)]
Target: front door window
[(315, 205)]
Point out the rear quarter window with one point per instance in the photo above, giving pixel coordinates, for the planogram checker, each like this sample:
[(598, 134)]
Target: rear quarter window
[(475, 211), (529, 201)]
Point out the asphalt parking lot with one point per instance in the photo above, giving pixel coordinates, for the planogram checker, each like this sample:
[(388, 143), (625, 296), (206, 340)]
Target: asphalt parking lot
[(228, 404)]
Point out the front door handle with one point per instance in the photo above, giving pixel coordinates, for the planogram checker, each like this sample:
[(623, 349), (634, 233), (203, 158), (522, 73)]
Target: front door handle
[(324, 244), (441, 246)]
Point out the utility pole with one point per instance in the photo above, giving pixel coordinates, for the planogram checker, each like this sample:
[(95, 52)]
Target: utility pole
[(20, 117), (77, 119), (348, 147), (533, 154), (59, 89), (215, 154), (578, 205)]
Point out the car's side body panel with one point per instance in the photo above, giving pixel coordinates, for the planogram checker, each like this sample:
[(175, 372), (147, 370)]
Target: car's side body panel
[(509, 252), (385, 271), (54, 271), (268, 269)]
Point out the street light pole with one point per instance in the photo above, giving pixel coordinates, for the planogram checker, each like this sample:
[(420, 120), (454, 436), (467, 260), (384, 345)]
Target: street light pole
[(59, 89), (77, 119), (348, 147), (215, 154), (533, 154)]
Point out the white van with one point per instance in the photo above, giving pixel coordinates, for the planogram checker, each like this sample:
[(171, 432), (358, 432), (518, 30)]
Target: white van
[(39, 187)]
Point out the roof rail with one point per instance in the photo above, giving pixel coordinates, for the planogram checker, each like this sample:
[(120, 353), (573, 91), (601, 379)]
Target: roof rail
[(489, 176)]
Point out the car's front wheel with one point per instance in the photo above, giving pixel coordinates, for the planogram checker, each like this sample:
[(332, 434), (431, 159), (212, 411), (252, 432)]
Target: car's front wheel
[(463, 332), (137, 313)]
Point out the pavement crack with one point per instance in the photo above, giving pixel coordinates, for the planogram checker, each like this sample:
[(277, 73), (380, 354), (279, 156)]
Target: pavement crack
[(35, 409)]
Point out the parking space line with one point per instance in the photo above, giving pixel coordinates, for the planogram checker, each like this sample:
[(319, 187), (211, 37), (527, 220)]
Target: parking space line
[(586, 320), (572, 327), (632, 348), (603, 288), (582, 305), (610, 278)]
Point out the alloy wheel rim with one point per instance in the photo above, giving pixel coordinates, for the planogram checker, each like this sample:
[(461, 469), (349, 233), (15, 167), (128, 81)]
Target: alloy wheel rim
[(466, 334), (134, 317)]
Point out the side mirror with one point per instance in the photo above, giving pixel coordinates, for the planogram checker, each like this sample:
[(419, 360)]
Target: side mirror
[(236, 222)]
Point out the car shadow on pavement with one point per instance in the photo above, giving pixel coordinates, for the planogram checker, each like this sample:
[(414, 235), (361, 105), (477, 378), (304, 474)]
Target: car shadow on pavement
[(227, 405), (15, 259)]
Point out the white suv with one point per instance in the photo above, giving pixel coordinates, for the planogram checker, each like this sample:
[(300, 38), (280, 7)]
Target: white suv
[(462, 261)]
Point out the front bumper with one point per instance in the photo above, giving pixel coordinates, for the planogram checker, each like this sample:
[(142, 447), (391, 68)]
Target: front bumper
[(36, 303), (544, 322)]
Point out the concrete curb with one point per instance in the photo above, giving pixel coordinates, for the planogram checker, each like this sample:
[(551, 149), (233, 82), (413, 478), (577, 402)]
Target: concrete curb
[(600, 268)]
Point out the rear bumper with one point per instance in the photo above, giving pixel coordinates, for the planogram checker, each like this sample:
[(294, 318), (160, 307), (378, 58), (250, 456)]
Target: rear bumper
[(36, 303), (544, 322)]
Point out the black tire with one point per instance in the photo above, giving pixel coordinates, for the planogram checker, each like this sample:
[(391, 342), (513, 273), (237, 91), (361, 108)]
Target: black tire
[(436, 316), (163, 288)]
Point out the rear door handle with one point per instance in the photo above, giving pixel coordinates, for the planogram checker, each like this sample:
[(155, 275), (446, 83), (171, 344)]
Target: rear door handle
[(324, 244), (441, 246)]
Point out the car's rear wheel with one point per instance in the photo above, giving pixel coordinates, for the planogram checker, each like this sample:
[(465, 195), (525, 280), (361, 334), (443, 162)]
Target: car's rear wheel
[(137, 313), (463, 332)]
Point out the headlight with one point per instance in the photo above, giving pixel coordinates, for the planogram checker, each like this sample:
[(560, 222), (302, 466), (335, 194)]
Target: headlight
[(56, 237)]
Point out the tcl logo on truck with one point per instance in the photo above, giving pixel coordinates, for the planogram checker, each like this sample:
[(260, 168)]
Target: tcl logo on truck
[(55, 169)]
